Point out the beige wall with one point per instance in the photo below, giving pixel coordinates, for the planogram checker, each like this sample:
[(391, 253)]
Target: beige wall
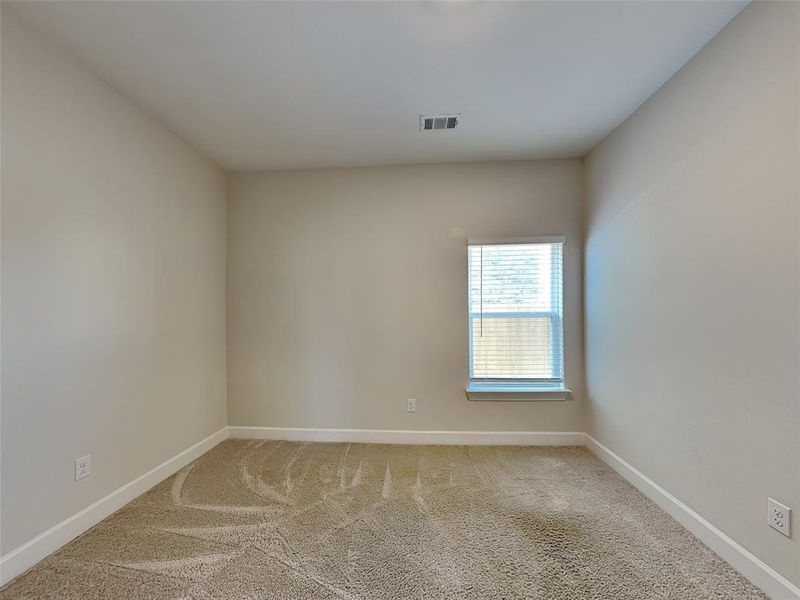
[(692, 283), (347, 292), (113, 291), (346, 288)]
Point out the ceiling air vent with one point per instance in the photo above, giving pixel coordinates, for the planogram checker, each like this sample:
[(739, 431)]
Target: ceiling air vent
[(438, 122)]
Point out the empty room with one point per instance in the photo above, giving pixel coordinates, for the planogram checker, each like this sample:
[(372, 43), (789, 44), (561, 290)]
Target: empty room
[(400, 300)]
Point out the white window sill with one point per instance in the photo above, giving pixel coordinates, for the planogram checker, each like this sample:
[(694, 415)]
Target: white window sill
[(517, 392)]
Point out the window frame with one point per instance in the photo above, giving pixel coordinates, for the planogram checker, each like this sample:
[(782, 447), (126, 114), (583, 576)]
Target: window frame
[(522, 388)]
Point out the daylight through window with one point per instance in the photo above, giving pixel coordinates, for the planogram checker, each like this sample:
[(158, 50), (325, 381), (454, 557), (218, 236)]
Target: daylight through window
[(516, 313)]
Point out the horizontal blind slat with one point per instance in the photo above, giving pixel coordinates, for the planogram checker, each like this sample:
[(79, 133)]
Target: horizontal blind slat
[(516, 311)]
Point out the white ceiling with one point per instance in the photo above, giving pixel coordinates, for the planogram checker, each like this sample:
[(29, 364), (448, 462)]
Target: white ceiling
[(273, 85)]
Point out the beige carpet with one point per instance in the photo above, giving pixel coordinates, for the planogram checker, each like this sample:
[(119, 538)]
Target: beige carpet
[(338, 521)]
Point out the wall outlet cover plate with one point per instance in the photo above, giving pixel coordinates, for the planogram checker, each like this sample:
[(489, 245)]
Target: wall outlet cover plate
[(779, 517), (83, 467)]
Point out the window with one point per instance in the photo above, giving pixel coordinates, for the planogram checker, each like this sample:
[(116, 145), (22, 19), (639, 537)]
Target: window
[(515, 314)]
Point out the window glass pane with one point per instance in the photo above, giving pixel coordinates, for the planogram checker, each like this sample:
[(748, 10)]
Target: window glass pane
[(515, 306)]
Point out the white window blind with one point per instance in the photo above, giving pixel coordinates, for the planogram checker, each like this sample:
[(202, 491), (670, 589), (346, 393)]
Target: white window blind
[(516, 312)]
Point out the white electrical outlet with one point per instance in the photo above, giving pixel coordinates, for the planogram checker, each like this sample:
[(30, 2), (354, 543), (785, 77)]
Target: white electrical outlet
[(779, 517), (83, 467), (411, 405)]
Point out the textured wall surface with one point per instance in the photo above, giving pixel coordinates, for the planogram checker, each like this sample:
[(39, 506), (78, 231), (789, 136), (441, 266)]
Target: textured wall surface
[(113, 288), (347, 292), (692, 282)]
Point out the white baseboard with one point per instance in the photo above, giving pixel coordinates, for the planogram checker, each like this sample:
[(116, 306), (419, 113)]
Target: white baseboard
[(20, 559), (749, 565), (397, 436)]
